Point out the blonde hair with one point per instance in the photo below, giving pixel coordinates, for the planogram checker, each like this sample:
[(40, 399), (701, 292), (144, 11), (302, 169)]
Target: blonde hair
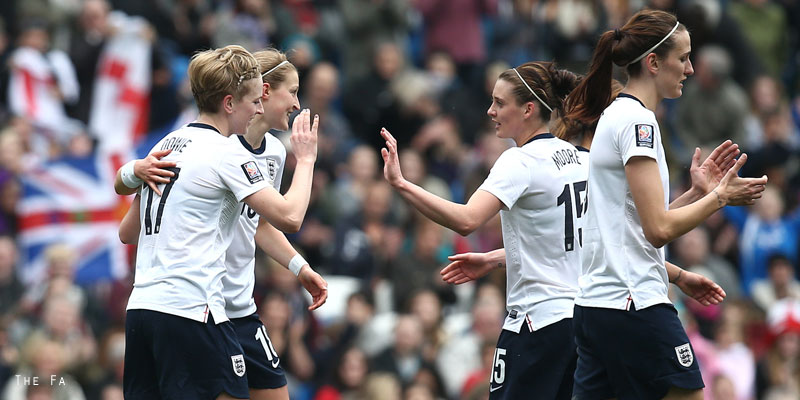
[(216, 73), (269, 61)]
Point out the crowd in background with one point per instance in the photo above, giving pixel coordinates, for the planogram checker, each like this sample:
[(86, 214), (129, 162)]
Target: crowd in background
[(424, 69)]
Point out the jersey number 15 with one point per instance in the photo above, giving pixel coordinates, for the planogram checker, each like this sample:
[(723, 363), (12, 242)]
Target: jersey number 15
[(566, 198)]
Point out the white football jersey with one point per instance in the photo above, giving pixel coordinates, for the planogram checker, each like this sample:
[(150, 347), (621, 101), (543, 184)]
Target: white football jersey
[(542, 186), (618, 264), (240, 260), (179, 260)]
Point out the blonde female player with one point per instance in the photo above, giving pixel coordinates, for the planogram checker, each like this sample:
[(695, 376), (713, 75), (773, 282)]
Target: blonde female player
[(179, 341), (265, 375)]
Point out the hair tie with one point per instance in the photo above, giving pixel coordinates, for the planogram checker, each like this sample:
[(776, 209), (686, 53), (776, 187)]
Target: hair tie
[(617, 34), (650, 50), (282, 63)]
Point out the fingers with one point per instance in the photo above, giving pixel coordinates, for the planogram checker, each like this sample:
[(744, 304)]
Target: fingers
[(159, 154), (153, 187), (307, 121), (315, 125), (734, 171), (390, 140), (696, 156)]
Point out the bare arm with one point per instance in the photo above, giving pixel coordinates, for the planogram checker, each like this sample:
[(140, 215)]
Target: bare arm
[(468, 267), (277, 246), (694, 285), (462, 218), (661, 226), (287, 212), (131, 224)]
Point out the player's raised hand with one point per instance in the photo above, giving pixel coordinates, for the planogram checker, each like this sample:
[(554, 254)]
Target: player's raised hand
[(700, 288), (304, 136), (466, 267), (153, 171), (315, 285), (391, 161), (734, 190), (706, 176)]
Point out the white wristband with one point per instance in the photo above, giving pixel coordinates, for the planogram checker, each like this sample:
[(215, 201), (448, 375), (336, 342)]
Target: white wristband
[(296, 264), (128, 177)]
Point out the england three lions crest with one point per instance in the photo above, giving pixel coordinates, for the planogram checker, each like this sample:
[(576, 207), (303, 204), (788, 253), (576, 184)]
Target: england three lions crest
[(238, 364), (684, 353)]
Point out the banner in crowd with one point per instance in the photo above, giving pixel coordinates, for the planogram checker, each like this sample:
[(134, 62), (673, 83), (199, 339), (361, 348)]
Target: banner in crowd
[(72, 202)]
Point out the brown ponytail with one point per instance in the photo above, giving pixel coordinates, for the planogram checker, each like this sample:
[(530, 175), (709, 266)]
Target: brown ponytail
[(620, 46)]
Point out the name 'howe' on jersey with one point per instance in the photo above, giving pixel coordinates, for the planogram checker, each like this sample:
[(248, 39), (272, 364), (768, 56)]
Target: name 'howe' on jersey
[(180, 258)]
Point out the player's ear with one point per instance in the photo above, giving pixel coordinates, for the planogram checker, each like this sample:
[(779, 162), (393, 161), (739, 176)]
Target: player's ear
[(227, 103), (265, 92)]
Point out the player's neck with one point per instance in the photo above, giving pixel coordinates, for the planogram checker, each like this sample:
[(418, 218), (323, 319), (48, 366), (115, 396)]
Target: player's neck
[(219, 122), (255, 135), (645, 90), (526, 138)]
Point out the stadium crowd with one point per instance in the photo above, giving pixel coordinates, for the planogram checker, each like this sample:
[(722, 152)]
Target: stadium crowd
[(392, 329)]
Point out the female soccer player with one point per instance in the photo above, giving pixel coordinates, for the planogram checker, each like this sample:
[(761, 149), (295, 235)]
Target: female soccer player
[(264, 374), (180, 343), (630, 342), (538, 187)]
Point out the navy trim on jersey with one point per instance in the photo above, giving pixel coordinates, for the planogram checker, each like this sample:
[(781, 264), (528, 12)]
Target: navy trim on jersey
[(630, 96), (581, 148), (540, 136), (203, 126), (259, 150)]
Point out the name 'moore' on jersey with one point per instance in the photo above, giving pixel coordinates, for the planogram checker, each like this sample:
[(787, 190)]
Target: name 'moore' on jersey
[(239, 282), (542, 186), (619, 265), (180, 261)]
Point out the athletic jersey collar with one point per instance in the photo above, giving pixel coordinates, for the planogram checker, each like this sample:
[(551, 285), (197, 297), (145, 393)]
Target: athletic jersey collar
[(203, 126), (539, 136), (581, 148), (259, 150), (630, 97)]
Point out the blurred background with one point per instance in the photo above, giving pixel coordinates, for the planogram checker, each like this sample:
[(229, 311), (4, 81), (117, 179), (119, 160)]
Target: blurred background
[(86, 85)]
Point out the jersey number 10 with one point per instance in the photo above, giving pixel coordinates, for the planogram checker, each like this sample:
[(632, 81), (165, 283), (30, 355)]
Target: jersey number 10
[(566, 198)]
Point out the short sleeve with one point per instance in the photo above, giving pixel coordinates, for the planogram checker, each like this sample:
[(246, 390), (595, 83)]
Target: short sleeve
[(240, 173), (279, 175), (509, 178), (639, 137)]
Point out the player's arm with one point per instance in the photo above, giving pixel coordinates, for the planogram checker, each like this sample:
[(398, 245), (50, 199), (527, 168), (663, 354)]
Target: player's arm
[(706, 176), (660, 225), (131, 223), (468, 267), (287, 212), (150, 170), (277, 246), (694, 285), (462, 218)]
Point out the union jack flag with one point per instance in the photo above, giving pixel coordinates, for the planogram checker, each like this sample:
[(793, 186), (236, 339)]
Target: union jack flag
[(72, 201)]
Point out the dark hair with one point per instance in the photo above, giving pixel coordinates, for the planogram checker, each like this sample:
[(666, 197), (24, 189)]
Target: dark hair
[(642, 31), (778, 258), (552, 85)]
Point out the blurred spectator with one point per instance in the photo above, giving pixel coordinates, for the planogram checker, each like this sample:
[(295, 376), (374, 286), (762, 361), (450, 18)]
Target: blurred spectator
[(11, 288), (404, 359), (320, 93), (369, 26), (713, 106), (194, 25), (86, 45), (573, 27), (42, 81), (454, 97), (382, 386), (722, 388), (765, 97), (427, 307), (764, 23), (764, 229), (248, 23), (518, 32), (349, 376), (45, 360), (694, 253), (778, 372), (455, 27), (781, 283), (734, 358)]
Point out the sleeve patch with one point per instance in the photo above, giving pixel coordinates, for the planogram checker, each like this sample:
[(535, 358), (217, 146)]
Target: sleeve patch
[(252, 172), (644, 135)]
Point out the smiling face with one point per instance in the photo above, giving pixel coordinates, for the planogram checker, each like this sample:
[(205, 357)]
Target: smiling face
[(246, 107), (506, 113), (281, 101), (675, 67)]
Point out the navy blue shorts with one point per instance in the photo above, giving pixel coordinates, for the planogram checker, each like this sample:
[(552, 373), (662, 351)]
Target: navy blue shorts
[(170, 357), (636, 354), (263, 365), (537, 364)]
